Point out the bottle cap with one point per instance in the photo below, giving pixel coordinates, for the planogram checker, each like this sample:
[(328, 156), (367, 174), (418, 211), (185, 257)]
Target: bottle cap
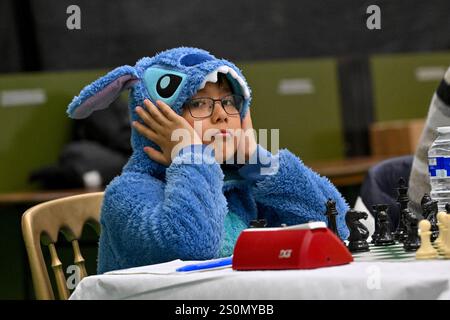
[(443, 129)]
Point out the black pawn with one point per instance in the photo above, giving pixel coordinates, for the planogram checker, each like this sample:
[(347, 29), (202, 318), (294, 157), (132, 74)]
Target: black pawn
[(331, 214), (385, 237), (377, 225), (425, 199), (412, 242), (400, 233), (260, 223), (358, 232), (447, 208), (430, 210)]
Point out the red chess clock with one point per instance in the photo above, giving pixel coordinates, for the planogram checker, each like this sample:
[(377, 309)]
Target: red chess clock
[(306, 246)]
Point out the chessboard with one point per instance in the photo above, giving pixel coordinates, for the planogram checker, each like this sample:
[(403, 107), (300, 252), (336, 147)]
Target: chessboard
[(420, 231), (392, 253)]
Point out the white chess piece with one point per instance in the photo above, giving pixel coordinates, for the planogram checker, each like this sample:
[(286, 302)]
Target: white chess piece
[(446, 243), (426, 250), (440, 241)]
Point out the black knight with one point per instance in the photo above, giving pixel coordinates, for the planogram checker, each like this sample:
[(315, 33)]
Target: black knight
[(358, 232)]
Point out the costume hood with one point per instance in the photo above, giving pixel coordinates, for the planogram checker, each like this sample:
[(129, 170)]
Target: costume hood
[(172, 76)]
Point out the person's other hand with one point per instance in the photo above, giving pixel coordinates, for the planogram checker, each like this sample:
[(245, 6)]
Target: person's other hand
[(159, 124), (247, 143)]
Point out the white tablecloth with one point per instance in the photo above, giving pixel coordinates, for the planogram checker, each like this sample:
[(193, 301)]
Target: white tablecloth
[(358, 280)]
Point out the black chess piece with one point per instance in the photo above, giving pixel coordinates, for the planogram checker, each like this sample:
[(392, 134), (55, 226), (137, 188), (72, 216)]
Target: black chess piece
[(400, 233), (358, 232), (375, 210), (430, 210), (260, 223), (447, 208), (385, 237), (331, 214), (412, 242), (377, 225), (426, 198)]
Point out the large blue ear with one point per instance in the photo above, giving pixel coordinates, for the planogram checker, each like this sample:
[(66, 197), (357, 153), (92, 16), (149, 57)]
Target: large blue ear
[(102, 92)]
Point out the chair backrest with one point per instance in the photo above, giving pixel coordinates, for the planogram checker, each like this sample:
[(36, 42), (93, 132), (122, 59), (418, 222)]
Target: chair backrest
[(42, 224)]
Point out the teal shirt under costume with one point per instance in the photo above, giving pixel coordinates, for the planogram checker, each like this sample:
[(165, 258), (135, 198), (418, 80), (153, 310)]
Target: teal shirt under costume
[(233, 227)]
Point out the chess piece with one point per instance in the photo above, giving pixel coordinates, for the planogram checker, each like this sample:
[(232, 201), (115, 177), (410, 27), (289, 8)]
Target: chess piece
[(447, 208), (331, 214), (426, 250), (260, 223), (385, 237), (400, 233), (377, 225), (446, 239), (358, 232), (430, 210), (445, 234), (426, 198), (440, 241), (412, 242)]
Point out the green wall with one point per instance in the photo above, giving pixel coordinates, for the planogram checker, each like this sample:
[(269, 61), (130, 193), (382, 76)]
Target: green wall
[(33, 135), (309, 122), (399, 90)]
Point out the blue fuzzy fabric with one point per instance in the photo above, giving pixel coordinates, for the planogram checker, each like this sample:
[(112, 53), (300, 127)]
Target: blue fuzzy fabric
[(152, 213)]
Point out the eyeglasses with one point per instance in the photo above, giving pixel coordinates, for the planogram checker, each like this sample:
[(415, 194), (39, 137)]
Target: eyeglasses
[(204, 107)]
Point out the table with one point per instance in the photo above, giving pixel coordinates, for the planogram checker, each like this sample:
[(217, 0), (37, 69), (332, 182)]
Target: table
[(346, 172), (358, 280), (34, 197)]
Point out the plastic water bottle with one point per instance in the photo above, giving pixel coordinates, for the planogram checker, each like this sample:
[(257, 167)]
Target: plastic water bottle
[(439, 167)]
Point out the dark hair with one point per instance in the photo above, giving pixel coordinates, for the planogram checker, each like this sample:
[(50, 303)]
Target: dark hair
[(222, 81)]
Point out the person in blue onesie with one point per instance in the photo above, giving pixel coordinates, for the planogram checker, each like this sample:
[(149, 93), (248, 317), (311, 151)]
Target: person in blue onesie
[(183, 198)]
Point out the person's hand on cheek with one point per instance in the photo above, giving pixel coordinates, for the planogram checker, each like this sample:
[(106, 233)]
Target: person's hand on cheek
[(159, 124), (247, 141)]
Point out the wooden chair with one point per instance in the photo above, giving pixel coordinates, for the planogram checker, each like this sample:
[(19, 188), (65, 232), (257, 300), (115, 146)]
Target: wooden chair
[(43, 222)]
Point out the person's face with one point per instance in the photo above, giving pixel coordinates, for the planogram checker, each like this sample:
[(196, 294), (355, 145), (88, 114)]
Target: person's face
[(226, 145)]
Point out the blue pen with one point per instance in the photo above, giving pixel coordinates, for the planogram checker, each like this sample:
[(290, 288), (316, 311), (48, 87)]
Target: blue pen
[(207, 265)]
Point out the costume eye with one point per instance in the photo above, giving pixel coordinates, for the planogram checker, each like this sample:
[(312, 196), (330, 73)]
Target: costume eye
[(163, 84), (167, 85)]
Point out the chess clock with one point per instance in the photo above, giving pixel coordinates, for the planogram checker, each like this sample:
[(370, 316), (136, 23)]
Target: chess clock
[(306, 246)]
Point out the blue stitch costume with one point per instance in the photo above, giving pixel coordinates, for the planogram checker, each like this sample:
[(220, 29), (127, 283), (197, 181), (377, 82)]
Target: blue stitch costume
[(152, 213)]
